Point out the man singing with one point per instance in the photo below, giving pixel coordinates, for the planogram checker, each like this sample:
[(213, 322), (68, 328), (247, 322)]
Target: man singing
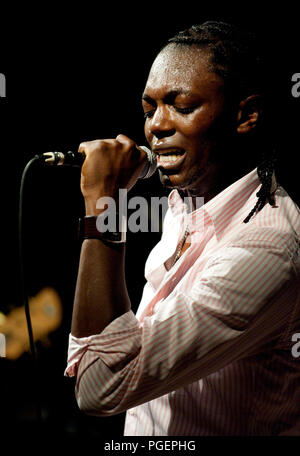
[(209, 349)]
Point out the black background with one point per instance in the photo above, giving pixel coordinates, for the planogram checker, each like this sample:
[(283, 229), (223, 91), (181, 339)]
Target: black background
[(77, 74)]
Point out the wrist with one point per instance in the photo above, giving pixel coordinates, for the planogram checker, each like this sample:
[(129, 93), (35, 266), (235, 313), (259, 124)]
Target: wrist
[(106, 201), (108, 227), (95, 205), (91, 208)]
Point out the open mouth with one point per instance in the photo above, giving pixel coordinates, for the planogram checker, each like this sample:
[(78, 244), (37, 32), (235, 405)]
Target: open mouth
[(171, 159)]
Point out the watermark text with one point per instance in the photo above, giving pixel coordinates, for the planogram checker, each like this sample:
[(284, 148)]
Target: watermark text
[(2, 346), (296, 347), (296, 86), (2, 85), (146, 216)]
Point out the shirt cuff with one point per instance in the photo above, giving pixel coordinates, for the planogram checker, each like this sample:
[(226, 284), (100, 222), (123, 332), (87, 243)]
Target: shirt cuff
[(78, 346)]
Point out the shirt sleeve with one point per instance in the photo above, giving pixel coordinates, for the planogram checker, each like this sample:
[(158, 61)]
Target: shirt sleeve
[(117, 339), (237, 305)]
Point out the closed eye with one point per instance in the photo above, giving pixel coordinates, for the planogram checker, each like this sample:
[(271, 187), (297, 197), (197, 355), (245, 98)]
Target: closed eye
[(185, 110), (188, 110), (149, 114)]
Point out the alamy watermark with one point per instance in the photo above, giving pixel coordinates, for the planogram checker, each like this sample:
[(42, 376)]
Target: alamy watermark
[(146, 216), (2, 346), (296, 87), (2, 85), (296, 347)]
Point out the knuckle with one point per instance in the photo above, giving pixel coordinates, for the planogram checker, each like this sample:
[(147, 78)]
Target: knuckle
[(82, 147), (131, 143), (98, 146), (123, 139)]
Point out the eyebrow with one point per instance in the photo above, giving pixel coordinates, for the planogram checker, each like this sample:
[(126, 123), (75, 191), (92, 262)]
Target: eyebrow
[(169, 95)]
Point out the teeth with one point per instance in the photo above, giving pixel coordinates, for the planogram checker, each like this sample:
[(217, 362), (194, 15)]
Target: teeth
[(168, 158)]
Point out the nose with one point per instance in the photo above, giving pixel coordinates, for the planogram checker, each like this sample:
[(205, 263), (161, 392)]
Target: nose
[(161, 124)]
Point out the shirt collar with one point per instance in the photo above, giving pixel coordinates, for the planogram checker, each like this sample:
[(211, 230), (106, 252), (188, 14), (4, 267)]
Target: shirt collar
[(231, 205)]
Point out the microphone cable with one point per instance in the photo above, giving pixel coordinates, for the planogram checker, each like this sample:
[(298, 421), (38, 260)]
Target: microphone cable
[(42, 159), (24, 292)]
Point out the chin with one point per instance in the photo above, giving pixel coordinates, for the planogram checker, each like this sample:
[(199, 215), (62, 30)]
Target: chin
[(193, 183), (171, 181)]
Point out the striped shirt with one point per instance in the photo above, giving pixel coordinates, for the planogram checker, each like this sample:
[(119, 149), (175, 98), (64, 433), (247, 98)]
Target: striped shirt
[(209, 351)]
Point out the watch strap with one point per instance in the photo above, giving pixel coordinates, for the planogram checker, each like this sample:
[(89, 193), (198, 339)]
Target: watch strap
[(88, 229)]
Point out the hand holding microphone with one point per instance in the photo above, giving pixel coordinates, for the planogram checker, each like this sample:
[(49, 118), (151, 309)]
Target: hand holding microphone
[(107, 165), (76, 159)]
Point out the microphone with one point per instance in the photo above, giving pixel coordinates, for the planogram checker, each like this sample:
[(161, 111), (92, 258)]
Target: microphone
[(76, 159)]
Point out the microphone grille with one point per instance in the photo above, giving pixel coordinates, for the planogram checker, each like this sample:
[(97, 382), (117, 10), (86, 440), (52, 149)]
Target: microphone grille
[(152, 162)]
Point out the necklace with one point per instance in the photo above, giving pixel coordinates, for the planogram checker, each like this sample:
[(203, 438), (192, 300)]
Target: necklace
[(180, 246)]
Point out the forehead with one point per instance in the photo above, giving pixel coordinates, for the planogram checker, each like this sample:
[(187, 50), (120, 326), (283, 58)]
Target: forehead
[(185, 68)]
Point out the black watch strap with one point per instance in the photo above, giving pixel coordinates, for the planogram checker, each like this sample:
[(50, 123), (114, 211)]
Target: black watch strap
[(87, 229)]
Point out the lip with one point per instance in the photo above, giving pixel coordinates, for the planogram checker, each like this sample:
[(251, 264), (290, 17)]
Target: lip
[(170, 165), (162, 150)]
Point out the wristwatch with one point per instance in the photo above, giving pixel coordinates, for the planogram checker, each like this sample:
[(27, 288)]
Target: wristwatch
[(88, 229)]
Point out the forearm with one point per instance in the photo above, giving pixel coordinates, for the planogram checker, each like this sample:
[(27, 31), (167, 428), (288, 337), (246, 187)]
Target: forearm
[(101, 293)]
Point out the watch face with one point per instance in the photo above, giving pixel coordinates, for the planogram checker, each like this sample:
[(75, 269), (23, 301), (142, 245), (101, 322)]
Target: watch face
[(112, 237)]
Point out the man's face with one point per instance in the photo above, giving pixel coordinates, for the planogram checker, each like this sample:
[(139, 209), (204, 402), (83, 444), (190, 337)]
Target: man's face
[(184, 106)]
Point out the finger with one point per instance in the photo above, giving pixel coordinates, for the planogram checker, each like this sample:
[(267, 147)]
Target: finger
[(123, 139), (130, 145), (87, 146), (82, 148)]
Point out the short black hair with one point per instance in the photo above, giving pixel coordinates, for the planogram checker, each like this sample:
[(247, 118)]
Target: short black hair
[(235, 54)]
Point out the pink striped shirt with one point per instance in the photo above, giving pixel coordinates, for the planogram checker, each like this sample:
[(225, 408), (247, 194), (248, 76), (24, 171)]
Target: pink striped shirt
[(209, 351)]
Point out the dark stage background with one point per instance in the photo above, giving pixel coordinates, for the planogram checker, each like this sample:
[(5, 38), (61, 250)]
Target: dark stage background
[(78, 75)]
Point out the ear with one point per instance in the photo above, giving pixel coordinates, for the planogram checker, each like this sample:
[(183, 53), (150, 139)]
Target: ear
[(249, 113)]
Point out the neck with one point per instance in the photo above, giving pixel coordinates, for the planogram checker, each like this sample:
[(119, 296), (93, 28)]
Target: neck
[(223, 179)]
